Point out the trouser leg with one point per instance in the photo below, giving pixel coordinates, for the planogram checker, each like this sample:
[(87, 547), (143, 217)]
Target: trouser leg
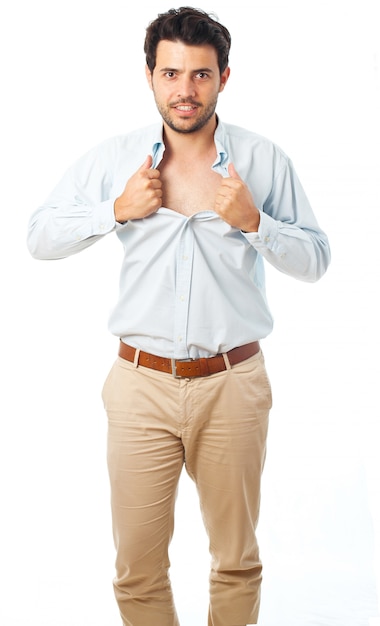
[(145, 458), (225, 455)]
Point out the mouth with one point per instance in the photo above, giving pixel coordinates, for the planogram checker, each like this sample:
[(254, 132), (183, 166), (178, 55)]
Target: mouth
[(185, 109)]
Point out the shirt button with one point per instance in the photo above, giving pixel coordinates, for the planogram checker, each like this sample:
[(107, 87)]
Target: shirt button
[(266, 239)]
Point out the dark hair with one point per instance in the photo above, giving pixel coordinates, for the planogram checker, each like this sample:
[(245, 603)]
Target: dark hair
[(191, 26)]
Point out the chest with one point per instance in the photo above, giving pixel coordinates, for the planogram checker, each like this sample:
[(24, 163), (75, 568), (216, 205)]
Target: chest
[(189, 190)]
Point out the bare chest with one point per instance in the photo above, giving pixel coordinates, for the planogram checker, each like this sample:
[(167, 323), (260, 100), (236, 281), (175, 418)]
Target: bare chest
[(189, 191)]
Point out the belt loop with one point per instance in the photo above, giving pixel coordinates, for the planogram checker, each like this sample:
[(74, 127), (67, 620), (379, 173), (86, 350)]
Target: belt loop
[(136, 357), (226, 360)]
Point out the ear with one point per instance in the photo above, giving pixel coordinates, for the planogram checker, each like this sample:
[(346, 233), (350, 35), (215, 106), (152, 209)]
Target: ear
[(148, 75), (224, 78)]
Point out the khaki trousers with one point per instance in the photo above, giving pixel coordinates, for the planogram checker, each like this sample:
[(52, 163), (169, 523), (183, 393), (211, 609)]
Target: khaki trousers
[(217, 427)]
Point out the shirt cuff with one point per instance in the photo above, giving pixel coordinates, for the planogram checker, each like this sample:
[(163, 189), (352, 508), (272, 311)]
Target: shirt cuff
[(266, 232), (104, 217)]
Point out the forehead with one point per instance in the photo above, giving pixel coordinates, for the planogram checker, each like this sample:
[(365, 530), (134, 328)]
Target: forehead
[(178, 55)]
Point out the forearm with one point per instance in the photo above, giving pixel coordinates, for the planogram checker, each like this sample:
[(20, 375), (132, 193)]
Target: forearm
[(59, 231), (303, 253)]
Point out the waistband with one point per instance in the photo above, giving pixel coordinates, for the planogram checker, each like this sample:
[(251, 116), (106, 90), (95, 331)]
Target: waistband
[(189, 368)]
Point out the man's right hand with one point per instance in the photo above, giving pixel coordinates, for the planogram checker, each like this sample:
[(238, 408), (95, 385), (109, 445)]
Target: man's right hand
[(142, 195)]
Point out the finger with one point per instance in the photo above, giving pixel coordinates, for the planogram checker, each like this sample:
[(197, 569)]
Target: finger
[(155, 183), (147, 170), (232, 172), (147, 163)]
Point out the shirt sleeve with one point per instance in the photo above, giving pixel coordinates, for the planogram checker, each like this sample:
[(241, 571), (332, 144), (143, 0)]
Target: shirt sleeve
[(78, 212), (289, 236)]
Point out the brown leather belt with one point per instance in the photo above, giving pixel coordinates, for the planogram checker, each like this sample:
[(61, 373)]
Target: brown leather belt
[(189, 368)]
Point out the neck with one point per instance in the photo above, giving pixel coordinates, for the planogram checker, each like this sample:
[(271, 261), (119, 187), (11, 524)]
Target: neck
[(196, 143)]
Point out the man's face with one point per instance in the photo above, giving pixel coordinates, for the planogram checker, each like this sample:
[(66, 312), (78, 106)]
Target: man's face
[(186, 82)]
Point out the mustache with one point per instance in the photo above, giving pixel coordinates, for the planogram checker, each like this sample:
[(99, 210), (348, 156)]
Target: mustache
[(185, 101)]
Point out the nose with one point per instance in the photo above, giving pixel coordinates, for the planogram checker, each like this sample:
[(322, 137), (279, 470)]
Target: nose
[(186, 88)]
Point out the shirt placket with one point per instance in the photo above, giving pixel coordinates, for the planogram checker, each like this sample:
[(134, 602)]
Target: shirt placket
[(185, 255)]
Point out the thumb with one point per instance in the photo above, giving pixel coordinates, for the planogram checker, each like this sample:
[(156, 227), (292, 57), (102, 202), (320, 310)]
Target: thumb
[(147, 163), (232, 172)]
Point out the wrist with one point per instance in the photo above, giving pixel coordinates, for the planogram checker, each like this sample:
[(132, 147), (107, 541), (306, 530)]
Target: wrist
[(253, 225), (118, 212)]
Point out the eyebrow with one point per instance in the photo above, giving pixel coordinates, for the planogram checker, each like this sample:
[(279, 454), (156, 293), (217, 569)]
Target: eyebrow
[(195, 71)]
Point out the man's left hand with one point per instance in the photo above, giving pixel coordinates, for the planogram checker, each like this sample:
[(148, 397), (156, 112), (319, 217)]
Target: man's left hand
[(234, 203)]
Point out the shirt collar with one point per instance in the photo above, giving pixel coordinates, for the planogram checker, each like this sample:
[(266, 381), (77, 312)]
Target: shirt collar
[(158, 146), (221, 161), (220, 139)]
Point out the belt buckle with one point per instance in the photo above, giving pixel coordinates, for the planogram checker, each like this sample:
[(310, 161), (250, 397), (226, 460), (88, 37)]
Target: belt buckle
[(174, 366)]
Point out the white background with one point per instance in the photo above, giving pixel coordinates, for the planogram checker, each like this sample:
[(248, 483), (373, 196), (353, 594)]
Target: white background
[(305, 74)]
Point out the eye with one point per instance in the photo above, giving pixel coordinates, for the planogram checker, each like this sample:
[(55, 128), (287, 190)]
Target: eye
[(170, 74), (202, 75)]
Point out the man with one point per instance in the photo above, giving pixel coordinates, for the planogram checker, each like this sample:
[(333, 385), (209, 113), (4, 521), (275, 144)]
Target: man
[(197, 204)]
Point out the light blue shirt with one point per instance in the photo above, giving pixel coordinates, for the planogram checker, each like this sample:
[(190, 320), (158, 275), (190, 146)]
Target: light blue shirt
[(189, 286)]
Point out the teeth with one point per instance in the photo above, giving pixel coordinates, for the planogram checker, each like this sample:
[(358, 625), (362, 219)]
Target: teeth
[(185, 108)]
